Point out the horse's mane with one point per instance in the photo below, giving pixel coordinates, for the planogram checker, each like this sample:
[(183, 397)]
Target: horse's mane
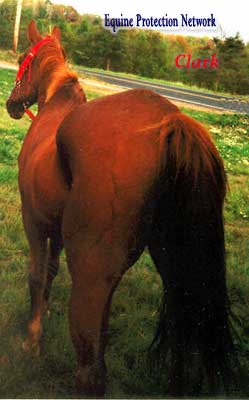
[(53, 69)]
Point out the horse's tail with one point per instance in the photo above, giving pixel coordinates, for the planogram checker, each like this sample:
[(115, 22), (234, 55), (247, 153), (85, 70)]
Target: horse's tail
[(188, 250)]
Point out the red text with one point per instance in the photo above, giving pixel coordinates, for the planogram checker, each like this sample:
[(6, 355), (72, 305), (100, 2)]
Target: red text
[(185, 61)]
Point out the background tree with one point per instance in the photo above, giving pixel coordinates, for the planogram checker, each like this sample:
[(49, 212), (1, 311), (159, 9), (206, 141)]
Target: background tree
[(234, 65), (17, 24)]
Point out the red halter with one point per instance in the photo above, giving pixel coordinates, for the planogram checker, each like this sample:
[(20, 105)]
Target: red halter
[(26, 64)]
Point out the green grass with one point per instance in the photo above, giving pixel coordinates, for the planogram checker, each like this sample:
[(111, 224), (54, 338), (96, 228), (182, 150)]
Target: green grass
[(134, 310)]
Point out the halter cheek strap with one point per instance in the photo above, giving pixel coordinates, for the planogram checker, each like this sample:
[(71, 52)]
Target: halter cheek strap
[(27, 63)]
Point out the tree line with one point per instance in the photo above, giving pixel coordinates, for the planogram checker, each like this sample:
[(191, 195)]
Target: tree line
[(143, 52)]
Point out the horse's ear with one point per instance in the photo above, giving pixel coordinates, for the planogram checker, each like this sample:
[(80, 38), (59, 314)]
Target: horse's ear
[(33, 33), (56, 33)]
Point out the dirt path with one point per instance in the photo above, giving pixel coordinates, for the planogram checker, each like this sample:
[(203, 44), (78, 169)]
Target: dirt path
[(8, 65)]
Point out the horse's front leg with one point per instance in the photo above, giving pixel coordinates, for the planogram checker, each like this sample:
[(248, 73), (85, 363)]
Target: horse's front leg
[(96, 270), (37, 281)]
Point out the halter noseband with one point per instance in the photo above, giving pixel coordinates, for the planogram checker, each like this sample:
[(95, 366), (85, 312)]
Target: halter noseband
[(26, 64)]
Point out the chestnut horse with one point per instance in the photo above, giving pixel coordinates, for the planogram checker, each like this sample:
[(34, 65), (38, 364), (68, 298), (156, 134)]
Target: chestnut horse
[(104, 179)]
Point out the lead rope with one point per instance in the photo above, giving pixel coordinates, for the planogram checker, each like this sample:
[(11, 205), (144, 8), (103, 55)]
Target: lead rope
[(30, 114)]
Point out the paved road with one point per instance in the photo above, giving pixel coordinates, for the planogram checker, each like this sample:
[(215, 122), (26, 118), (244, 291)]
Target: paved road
[(218, 102)]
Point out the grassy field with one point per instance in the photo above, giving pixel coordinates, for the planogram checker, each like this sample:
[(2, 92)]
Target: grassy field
[(134, 310)]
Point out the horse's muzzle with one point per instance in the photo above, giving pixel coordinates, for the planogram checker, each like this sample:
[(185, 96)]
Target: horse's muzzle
[(15, 109)]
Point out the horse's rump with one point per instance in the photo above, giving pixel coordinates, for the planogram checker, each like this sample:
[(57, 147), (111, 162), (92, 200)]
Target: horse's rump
[(121, 153), (116, 147), (111, 154)]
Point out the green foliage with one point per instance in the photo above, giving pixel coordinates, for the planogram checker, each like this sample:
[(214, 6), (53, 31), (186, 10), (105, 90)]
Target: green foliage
[(143, 52), (234, 65), (7, 15)]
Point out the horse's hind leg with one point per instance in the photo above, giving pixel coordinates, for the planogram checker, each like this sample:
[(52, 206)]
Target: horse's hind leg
[(55, 247), (96, 268), (37, 281)]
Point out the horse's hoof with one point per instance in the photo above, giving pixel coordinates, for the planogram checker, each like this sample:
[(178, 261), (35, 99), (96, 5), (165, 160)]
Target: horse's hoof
[(90, 388), (46, 311), (26, 345), (32, 348)]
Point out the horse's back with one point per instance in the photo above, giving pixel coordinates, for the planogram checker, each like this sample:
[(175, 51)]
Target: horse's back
[(127, 111), (102, 127)]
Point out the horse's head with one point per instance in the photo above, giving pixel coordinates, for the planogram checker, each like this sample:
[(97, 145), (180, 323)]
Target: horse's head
[(34, 64)]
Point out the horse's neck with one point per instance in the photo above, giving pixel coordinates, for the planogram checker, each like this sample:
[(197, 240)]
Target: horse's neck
[(50, 117), (59, 79), (64, 99)]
